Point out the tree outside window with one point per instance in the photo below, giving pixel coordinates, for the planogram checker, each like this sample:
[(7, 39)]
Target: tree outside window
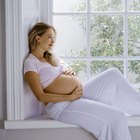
[(95, 35)]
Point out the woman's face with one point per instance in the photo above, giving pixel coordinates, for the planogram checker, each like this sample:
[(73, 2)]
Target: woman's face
[(47, 40)]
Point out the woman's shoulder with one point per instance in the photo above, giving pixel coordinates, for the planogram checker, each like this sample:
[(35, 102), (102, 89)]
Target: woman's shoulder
[(30, 57), (30, 64), (30, 60)]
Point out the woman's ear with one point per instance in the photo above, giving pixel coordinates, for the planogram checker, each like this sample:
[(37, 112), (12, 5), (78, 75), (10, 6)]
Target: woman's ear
[(37, 38)]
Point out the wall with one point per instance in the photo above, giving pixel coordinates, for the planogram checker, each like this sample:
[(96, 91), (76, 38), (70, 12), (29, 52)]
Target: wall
[(2, 63), (30, 15)]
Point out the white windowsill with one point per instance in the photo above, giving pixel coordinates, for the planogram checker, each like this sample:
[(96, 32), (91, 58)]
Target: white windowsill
[(41, 122), (36, 122)]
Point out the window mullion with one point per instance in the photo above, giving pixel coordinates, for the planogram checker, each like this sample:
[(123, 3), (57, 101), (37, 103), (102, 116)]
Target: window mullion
[(50, 11), (125, 39), (88, 38)]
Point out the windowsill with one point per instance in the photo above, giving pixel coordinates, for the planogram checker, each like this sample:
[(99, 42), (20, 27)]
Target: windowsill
[(41, 122), (35, 123)]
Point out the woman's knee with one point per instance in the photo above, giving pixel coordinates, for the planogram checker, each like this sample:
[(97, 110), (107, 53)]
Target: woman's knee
[(113, 72)]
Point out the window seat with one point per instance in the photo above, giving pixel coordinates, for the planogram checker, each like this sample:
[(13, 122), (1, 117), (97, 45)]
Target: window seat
[(71, 131), (41, 122)]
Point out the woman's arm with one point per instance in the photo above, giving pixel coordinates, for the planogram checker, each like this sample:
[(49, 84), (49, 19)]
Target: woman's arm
[(34, 83), (77, 93)]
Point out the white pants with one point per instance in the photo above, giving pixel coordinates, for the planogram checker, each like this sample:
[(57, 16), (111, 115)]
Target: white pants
[(101, 110)]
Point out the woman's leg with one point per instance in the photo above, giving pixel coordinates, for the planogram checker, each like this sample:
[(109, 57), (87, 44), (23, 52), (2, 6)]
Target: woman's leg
[(103, 121), (110, 87)]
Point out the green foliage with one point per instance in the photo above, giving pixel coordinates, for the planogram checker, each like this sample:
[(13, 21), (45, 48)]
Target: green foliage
[(134, 67), (134, 5), (100, 66), (106, 5), (107, 37), (80, 53), (134, 35), (78, 66)]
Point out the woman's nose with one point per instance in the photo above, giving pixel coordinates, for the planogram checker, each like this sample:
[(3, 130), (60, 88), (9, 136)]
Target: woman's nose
[(53, 40)]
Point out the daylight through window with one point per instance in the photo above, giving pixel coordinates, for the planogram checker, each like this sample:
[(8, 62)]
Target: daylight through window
[(94, 35)]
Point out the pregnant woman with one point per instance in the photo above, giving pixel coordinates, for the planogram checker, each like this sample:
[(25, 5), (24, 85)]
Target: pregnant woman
[(99, 106)]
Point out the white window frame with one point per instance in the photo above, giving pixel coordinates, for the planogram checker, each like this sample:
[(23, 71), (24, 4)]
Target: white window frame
[(14, 75), (88, 58), (13, 59)]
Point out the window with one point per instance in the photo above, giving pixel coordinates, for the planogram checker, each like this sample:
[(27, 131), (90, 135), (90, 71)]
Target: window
[(94, 35)]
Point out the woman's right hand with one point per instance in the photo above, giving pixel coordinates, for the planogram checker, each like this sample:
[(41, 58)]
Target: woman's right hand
[(76, 94)]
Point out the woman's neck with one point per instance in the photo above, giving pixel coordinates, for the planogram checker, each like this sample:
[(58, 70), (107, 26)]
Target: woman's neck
[(39, 57), (38, 53)]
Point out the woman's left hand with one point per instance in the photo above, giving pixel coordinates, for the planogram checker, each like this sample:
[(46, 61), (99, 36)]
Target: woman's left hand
[(68, 71)]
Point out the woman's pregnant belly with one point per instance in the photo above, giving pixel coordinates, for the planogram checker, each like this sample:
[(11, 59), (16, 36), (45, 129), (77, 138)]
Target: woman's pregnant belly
[(63, 84)]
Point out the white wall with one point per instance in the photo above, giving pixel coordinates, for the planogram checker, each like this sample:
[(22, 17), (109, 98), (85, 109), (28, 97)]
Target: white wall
[(2, 62), (30, 15)]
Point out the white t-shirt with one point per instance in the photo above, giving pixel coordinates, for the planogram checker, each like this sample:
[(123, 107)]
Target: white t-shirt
[(47, 74), (46, 71)]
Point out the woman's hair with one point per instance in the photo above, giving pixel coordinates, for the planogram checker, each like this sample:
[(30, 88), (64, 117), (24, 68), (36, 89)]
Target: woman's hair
[(40, 29)]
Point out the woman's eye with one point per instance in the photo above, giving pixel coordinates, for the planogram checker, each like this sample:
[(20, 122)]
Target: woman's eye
[(51, 37)]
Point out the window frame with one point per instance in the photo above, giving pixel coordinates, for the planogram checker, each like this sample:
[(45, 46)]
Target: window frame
[(13, 59), (125, 57)]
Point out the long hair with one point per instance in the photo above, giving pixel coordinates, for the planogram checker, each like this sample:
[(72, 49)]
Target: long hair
[(40, 29)]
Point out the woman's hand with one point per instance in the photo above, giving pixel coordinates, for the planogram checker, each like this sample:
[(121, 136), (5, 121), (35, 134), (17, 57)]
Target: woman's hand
[(69, 72), (77, 93)]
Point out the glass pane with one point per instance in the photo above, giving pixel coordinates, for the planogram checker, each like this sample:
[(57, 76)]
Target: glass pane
[(99, 66), (106, 5), (79, 67), (65, 6), (71, 35), (134, 73), (134, 5), (106, 35), (134, 35)]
